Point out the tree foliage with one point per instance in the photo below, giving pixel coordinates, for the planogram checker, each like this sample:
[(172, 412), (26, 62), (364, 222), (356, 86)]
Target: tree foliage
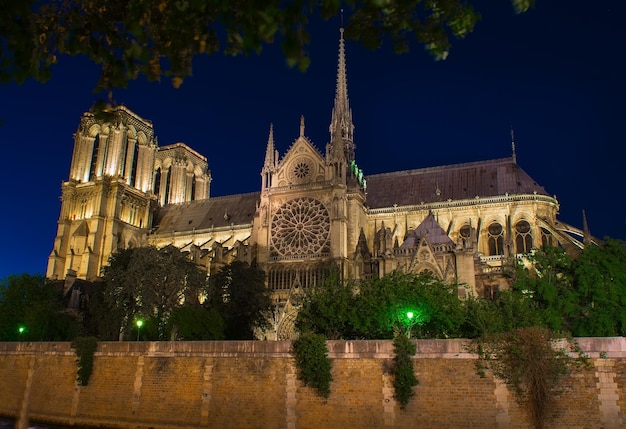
[(30, 302), (509, 310), (149, 283), (585, 296), (600, 277), (330, 309), (239, 295), (378, 308), (196, 323), (160, 38)]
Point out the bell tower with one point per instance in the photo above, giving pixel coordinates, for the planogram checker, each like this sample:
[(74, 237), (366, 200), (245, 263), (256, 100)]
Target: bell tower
[(107, 203)]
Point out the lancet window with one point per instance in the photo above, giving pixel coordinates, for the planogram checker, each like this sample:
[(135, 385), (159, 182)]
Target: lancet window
[(523, 237), (495, 234)]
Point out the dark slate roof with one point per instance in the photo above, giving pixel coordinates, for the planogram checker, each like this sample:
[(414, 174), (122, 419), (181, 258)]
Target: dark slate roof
[(456, 182), (215, 212), (430, 229)]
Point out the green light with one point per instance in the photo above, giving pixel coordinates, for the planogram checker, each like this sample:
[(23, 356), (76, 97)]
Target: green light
[(409, 315), (21, 329), (139, 324)]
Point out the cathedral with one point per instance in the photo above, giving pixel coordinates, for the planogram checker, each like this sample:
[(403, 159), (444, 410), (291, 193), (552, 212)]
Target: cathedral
[(315, 208)]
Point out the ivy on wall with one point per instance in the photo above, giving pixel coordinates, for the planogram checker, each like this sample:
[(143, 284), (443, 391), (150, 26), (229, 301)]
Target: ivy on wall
[(312, 362), (84, 347), (533, 362), (402, 370)]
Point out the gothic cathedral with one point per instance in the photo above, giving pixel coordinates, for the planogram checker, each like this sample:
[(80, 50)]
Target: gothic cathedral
[(315, 208)]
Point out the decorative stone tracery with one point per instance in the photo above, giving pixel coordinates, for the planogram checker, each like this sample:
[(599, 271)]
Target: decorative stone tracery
[(301, 227)]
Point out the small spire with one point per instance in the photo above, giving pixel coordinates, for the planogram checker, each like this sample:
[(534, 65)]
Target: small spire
[(270, 153), (302, 126), (513, 145)]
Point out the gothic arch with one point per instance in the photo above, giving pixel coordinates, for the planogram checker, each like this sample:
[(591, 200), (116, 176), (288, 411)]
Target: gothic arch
[(142, 139), (131, 132), (94, 130), (286, 329), (427, 267)]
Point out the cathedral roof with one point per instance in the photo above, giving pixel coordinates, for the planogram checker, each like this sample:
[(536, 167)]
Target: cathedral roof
[(455, 182), (214, 212)]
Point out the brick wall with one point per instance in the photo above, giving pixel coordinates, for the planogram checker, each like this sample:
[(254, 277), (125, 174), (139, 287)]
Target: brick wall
[(253, 385)]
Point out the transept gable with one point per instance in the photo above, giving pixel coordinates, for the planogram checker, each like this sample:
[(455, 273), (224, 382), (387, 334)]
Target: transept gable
[(301, 164), (424, 259)]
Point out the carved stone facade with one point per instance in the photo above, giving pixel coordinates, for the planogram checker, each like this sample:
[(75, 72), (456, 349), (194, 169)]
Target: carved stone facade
[(459, 222)]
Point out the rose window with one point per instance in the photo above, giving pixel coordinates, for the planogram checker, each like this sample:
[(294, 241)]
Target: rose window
[(301, 170), (300, 227)]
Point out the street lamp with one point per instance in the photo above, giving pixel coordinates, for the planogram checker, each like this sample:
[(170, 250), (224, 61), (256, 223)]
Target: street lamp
[(410, 315), (139, 325), (20, 330)]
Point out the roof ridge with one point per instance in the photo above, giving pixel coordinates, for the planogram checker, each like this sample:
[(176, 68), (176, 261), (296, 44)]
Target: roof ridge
[(441, 167)]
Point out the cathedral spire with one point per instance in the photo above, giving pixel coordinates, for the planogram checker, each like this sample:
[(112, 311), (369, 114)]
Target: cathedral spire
[(341, 127)]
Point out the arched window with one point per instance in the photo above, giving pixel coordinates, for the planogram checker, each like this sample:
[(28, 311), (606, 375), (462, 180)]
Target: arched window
[(465, 233), (94, 158), (496, 239), (193, 188), (133, 168), (523, 237), (167, 185), (157, 181), (546, 238)]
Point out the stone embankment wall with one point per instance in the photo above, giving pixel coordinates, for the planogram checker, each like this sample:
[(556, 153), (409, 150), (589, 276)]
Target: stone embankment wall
[(254, 385)]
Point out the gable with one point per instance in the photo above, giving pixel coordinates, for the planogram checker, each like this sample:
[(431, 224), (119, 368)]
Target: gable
[(301, 164)]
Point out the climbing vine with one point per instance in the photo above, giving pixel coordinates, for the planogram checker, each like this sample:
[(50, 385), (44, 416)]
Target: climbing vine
[(532, 362), (402, 370), (312, 362), (84, 347)]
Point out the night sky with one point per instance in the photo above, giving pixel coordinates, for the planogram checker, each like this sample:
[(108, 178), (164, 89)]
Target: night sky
[(555, 74)]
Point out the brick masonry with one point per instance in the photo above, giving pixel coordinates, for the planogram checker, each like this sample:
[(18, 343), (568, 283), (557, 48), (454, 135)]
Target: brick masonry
[(254, 385)]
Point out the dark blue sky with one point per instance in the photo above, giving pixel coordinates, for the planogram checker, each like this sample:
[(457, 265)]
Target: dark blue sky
[(555, 74)]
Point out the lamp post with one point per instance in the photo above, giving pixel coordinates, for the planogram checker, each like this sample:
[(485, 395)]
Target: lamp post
[(409, 315), (139, 325), (20, 330)]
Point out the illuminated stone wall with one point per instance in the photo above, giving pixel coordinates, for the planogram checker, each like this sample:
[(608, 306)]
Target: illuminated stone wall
[(253, 385)]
